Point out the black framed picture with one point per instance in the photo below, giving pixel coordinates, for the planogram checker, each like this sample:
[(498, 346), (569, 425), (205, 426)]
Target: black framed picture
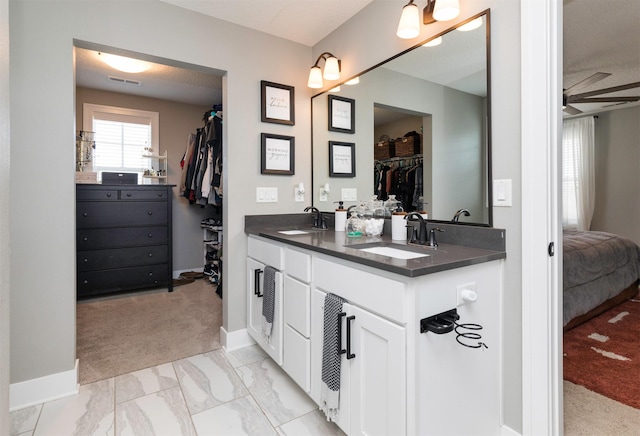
[(342, 114), (342, 159), (277, 154), (278, 103)]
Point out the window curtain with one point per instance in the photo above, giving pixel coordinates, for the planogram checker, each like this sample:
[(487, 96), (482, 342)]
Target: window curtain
[(578, 173)]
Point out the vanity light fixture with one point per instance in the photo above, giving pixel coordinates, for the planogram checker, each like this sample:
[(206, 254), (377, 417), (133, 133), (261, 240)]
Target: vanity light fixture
[(436, 10), (331, 70), (121, 63)]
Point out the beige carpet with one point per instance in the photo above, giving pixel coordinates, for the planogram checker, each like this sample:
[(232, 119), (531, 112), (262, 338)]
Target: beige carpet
[(116, 335), (587, 413)]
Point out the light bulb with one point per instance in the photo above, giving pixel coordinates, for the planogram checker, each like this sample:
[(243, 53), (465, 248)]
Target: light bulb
[(446, 10), (315, 78), (331, 69)]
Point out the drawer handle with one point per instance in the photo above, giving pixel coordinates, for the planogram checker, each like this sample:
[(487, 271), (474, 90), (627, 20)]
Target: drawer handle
[(150, 235), (85, 214), (150, 254), (85, 260), (150, 274), (150, 213), (340, 349), (85, 239), (109, 194), (350, 355), (256, 282), (128, 194), (86, 281), (159, 194)]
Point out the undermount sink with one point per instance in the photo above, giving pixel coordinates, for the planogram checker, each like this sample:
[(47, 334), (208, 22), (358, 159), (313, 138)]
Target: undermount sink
[(395, 251), (293, 232)]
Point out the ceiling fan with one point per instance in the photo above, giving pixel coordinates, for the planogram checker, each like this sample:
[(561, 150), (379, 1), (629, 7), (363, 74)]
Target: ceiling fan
[(568, 96)]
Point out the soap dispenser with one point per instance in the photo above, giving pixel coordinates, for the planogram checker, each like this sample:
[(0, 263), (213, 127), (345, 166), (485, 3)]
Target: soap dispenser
[(340, 217)]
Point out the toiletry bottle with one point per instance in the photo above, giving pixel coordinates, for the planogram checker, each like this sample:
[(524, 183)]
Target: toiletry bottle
[(340, 217), (354, 228)]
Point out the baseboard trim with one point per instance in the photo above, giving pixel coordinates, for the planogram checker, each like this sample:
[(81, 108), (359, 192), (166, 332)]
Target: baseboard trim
[(231, 341), (43, 389)]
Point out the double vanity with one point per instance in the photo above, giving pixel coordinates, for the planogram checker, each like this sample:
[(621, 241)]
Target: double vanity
[(403, 371)]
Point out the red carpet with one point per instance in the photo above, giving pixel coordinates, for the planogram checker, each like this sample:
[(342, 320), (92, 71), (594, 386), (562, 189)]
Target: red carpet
[(603, 354)]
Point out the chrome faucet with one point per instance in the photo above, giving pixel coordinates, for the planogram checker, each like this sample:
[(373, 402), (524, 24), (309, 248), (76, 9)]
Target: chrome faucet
[(319, 221), (422, 230), (464, 212)]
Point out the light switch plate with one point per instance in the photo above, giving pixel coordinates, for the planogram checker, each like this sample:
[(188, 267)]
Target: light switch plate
[(349, 194), (266, 195), (323, 195), (299, 196), (502, 193)]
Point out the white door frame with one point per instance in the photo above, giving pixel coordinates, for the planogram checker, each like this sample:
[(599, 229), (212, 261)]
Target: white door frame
[(541, 74)]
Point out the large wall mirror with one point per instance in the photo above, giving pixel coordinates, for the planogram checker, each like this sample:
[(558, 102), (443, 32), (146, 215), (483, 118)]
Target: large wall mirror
[(421, 130)]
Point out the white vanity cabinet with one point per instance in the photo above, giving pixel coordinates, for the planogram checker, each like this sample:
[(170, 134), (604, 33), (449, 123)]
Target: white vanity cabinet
[(373, 368), (261, 253), (297, 319), (395, 379)]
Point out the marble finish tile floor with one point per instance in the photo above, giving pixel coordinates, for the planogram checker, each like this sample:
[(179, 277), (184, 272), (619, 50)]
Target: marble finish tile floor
[(216, 393)]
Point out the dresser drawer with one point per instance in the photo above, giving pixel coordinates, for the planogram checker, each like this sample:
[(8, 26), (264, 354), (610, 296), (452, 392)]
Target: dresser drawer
[(92, 239), (121, 257), (103, 194), (147, 194), (118, 214), (101, 282)]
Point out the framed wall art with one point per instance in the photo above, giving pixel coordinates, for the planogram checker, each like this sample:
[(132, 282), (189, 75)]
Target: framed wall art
[(277, 154), (342, 159), (278, 103), (342, 113)]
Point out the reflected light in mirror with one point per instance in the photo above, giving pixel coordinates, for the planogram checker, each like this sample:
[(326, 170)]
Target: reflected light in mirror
[(471, 25), (353, 81), (434, 42)]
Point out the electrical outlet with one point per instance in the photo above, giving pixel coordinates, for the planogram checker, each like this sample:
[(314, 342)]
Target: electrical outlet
[(467, 293)]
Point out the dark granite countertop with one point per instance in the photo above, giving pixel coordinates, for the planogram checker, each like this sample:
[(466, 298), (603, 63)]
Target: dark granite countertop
[(337, 244)]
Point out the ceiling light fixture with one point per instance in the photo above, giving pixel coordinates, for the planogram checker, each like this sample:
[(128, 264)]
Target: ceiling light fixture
[(436, 10), (331, 70), (121, 63)]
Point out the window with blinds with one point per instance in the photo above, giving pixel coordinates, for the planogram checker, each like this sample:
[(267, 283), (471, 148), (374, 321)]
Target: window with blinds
[(122, 137)]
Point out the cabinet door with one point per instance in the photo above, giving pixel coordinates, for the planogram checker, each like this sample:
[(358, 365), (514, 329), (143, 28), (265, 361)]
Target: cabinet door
[(255, 288), (378, 374)]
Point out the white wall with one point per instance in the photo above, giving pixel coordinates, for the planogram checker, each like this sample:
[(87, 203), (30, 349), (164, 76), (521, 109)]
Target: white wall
[(367, 39), (4, 216), (42, 102), (617, 155)]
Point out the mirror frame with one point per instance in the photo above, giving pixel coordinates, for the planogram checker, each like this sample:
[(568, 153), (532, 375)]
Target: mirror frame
[(487, 14)]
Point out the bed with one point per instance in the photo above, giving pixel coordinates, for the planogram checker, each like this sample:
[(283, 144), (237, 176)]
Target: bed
[(600, 270)]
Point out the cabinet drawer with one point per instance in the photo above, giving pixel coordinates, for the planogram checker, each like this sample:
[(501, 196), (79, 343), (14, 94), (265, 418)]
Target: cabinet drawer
[(118, 214), (297, 355), (101, 282), (297, 305), (105, 194), (121, 257), (298, 264), (375, 293), (147, 194), (91, 239), (266, 252)]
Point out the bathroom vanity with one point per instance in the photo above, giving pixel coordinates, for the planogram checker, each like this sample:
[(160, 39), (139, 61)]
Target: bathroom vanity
[(397, 376)]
